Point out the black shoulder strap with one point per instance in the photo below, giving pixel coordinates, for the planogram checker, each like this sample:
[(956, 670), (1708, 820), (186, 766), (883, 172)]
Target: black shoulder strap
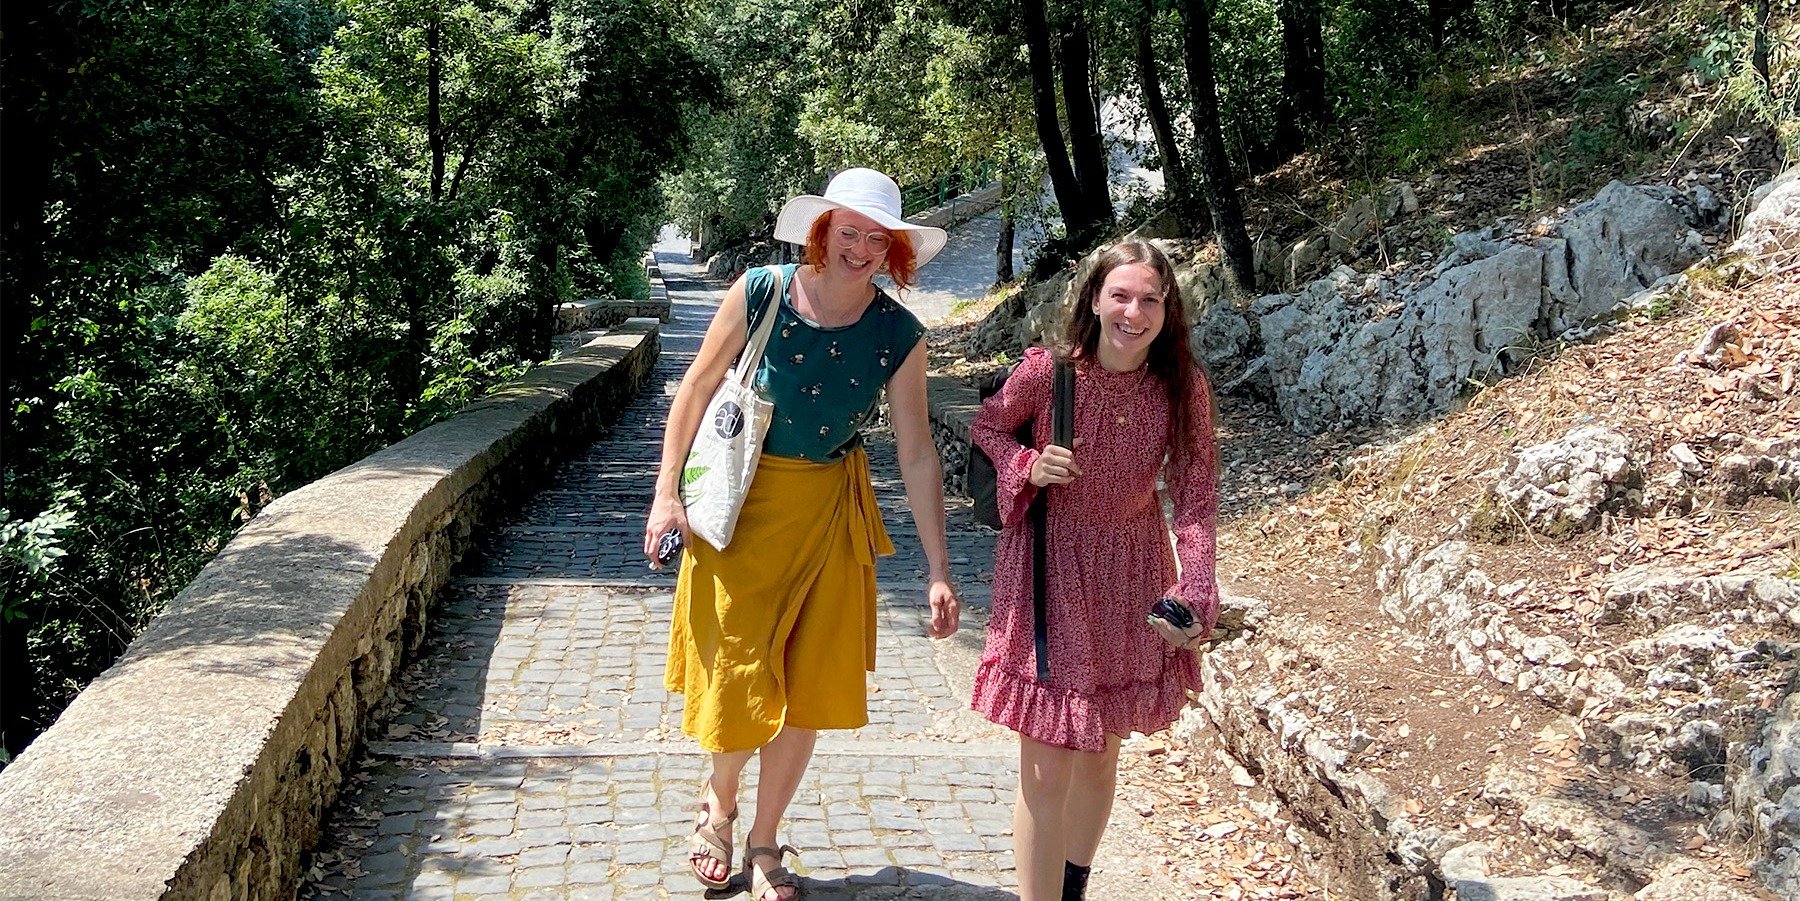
[(1062, 432)]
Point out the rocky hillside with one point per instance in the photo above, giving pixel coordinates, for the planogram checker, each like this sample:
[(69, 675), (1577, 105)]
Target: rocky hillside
[(1511, 534), (1543, 646)]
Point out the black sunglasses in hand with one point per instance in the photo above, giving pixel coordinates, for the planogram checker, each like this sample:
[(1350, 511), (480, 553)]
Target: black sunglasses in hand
[(1174, 612)]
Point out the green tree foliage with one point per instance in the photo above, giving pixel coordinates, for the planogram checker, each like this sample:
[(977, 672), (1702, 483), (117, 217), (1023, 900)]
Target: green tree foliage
[(748, 154), (254, 240), (919, 90)]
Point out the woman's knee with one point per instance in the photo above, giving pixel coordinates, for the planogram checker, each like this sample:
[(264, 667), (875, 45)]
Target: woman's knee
[(1095, 765), (1045, 770)]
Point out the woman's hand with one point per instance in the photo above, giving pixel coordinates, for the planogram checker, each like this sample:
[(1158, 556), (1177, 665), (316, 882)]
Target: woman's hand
[(667, 513), (946, 610), (1185, 639), (1055, 465)]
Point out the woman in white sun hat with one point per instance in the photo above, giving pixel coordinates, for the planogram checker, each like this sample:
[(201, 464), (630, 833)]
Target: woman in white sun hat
[(771, 638)]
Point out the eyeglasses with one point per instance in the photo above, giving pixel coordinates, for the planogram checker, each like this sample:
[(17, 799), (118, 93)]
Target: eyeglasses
[(848, 237)]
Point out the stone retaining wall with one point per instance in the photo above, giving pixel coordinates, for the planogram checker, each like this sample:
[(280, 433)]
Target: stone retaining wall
[(959, 209), (953, 407), (201, 764), (607, 312)]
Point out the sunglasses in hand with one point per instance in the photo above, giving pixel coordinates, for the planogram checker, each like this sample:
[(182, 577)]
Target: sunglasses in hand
[(1174, 612)]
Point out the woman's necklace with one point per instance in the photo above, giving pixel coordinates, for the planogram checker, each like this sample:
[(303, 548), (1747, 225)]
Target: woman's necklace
[(1117, 399)]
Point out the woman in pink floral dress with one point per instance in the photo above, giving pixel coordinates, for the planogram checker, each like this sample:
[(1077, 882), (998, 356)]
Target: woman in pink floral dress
[(1142, 409)]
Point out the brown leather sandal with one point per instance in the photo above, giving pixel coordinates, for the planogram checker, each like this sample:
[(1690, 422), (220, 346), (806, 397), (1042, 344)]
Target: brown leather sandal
[(771, 880), (711, 841)]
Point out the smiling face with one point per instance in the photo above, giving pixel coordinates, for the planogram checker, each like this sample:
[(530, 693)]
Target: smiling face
[(855, 244), (1130, 307)]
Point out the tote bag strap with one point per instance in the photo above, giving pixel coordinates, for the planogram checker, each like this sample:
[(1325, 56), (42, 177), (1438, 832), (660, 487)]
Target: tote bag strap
[(752, 355)]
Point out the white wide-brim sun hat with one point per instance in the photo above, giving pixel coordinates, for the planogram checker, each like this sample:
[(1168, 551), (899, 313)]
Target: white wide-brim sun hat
[(865, 191)]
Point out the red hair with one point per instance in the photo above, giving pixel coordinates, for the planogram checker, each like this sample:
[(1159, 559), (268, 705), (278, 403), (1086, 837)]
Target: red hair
[(902, 261)]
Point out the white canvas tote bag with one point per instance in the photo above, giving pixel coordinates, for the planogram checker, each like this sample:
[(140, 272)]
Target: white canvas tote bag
[(728, 444)]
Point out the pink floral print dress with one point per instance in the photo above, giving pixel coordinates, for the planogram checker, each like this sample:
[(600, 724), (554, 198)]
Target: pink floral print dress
[(1108, 557)]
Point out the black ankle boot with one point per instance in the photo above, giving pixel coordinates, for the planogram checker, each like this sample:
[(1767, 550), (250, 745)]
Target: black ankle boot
[(1074, 882)]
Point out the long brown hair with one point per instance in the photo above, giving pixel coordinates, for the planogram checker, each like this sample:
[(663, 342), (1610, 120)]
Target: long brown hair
[(1171, 356)]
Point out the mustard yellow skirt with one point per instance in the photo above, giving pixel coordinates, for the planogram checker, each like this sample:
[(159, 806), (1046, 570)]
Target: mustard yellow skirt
[(779, 628)]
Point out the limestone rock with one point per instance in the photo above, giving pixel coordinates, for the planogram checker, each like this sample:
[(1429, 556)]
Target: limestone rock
[(1579, 828), (1550, 650), (1224, 339), (731, 262), (1465, 872), (1562, 486), (1238, 613), (1767, 468), (1692, 884), (1446, 591), (1303, 256), (1029, 311), (1771, 235), (1765, 799), (1474, 320), (1532, 888), (1271, 261), (1467, 247), (1398, 198), (1660, 597), (1357, 223), (1164, 224), (1347, 349), (1621, 242), (1202, 286)]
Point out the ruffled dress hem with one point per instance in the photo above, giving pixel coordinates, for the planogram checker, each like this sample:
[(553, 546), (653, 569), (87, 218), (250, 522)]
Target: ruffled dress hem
[(1072, 719)]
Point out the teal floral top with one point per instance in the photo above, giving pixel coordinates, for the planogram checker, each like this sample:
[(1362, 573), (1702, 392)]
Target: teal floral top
[(825, 382)]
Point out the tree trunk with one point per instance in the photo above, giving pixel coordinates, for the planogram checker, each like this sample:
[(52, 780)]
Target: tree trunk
[(1043, 104), (434, 125), (1759, 53), (1215, 168), (413, 288), (1176, 184), (602, 239), (1003, 250), (17, 687), (543, 284), (1089, 151), (1302, 76)]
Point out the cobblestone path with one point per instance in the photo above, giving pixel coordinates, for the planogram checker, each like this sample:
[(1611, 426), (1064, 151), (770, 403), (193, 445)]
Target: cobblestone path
[(533, 752)]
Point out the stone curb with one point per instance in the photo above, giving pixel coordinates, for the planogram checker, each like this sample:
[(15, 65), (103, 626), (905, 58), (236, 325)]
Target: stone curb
[(201, 763)]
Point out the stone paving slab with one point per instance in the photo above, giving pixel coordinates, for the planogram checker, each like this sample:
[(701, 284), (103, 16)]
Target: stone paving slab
[(883, 826)]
